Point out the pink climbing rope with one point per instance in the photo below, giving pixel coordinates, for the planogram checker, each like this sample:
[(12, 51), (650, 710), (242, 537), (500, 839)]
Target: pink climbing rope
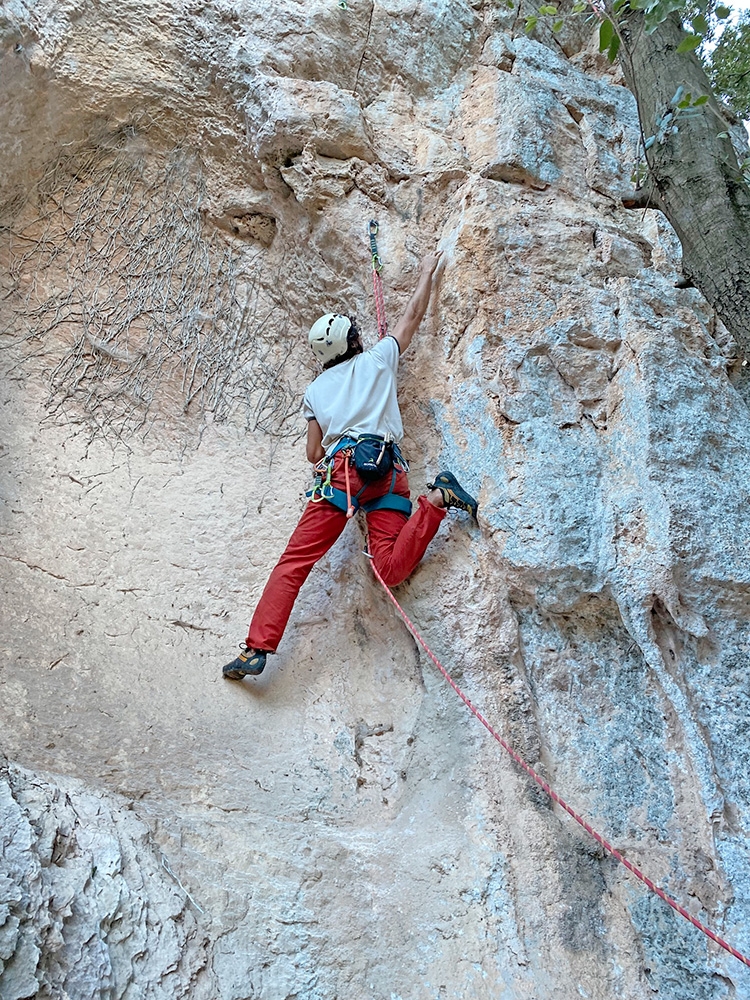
[(377, 282), (549, 791), (377, 287)]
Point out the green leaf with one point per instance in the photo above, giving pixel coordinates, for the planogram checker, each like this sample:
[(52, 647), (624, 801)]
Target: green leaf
[(614, 48), (606, 34), (618, 5), (689, 43), (531, 23), (700, 100), (558, 25), (722, 12), (700, 24), (657, 12), (579, 8), (547, 9)]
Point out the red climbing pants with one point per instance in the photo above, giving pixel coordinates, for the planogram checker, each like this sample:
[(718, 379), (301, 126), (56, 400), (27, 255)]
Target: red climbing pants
[(397, 543)]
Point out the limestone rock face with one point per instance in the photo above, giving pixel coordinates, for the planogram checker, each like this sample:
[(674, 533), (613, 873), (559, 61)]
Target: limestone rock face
[(186, 186), (89, 908)]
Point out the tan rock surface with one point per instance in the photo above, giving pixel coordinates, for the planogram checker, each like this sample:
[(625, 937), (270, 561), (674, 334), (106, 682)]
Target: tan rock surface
[(186, 186)]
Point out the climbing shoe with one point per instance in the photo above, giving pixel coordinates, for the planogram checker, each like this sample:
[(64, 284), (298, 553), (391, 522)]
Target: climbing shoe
[(454, 495), (249, 662)]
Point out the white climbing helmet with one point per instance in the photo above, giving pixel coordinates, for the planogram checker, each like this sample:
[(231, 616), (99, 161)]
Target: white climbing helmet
[(328, 337)]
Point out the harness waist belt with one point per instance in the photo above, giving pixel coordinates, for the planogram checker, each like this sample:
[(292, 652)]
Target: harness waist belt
[(350, 442), (389, 501), (324, 490)]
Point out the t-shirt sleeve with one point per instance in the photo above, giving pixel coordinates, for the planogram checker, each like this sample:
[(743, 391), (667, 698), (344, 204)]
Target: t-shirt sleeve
[(307, 409), (385, 353)]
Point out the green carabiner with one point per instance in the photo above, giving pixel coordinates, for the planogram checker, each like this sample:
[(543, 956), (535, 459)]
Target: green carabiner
[(377, 263), (316, 493)]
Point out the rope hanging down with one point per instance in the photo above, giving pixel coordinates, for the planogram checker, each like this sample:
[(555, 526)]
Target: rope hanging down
[(548, 790), (377, 283)]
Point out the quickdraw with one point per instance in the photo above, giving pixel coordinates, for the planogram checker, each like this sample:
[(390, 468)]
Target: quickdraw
[(377, 282), (372, 229), (322, 486)]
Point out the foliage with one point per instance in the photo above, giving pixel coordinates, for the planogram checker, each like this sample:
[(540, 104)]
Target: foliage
[(700, 18), (729, 66)]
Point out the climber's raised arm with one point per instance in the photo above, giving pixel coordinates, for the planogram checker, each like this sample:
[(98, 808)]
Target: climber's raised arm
[(417, 306)]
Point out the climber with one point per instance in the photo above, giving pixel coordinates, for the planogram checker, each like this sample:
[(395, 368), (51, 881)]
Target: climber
[(353, 434)]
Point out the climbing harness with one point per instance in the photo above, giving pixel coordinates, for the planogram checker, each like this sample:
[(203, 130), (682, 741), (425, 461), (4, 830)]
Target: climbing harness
[(323, 488), (550, 791), (377, 281)]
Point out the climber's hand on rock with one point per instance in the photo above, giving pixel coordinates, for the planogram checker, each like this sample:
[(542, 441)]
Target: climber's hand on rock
[(417, 305), (430, 262)]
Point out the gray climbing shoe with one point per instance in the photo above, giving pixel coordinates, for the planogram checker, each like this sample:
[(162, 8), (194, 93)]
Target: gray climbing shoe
[(454, 495), (250, 662)]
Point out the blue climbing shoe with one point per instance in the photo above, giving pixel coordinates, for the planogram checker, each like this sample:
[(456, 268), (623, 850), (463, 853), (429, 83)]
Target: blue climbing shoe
[(250, 662), (454, 495)]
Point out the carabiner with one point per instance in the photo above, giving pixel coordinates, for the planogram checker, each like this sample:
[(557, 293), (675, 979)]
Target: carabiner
[(377, 263), (316, 493)]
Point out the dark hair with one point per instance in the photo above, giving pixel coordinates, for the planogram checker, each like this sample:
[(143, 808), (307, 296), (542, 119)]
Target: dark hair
[(353, 345)]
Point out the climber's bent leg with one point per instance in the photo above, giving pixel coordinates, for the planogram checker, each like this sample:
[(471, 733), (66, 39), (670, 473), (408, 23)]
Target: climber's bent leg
[(318, 528), (397, 543)]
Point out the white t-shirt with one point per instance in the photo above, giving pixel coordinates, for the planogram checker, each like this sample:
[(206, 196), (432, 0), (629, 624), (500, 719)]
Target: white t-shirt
[(358, 396)]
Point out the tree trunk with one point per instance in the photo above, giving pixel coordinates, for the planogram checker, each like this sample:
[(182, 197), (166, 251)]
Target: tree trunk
[(694, 175)]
